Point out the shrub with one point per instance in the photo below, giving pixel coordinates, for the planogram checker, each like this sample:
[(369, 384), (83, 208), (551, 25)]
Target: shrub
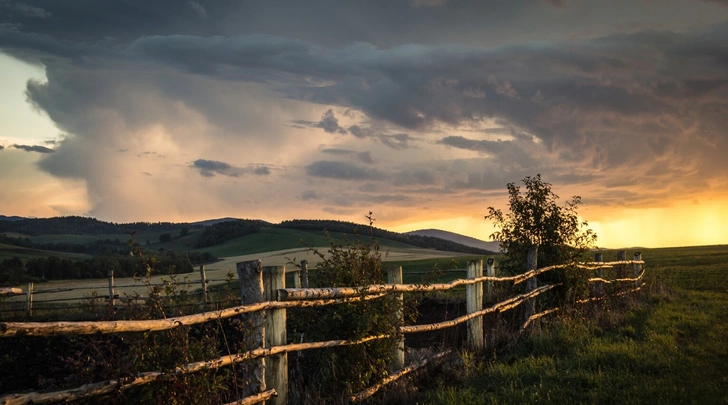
[(354, 263)]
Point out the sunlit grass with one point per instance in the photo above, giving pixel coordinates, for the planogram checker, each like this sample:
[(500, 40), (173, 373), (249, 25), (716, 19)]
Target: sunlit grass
[(669, 346)]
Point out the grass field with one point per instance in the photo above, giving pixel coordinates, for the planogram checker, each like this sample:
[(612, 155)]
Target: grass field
[(10, 251), (273, 239), (669, 346)]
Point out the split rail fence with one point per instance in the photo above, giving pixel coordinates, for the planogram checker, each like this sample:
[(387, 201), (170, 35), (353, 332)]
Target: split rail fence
[(265, 299)]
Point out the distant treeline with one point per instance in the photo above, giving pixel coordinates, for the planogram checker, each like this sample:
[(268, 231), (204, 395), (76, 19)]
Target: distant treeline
[(74, 225), (224, 231), (13, 271), (427, 242)]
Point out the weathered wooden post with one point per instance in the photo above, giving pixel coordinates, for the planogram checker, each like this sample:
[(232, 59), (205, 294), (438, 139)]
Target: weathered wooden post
[(394, 276), (304, 274), (203, 281), (490, 272), (474, 303), (622, 269), (637, 269), (276, 370), (250, 275), (531, 283), (112, 299), (29, 299), (599, 286), (296, 276)]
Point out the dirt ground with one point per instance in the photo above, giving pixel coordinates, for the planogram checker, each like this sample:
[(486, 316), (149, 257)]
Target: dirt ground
[(216, 273)]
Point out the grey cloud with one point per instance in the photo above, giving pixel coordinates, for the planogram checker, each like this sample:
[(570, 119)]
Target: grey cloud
[(26, 10), (394, 141), (427, 3), (33, 148), (342, 171), (603, 103), (482, 146), (309, 195), (329, 123), (261, 171), (374, 21), (209, 168), (2, 147), (335, 151), (365, 157), (417, 177), (198, 9)]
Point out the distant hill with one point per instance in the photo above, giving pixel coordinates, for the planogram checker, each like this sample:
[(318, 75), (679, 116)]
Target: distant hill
[(209, 222), (423, 241), (457, 238), (12, 218), (89, 235)]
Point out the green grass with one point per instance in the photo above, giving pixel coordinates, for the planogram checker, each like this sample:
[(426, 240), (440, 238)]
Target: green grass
[(670, 345), (10, 251), (272, 239)]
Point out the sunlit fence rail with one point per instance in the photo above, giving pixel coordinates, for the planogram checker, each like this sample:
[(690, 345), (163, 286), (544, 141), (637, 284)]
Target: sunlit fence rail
[(264, 294)]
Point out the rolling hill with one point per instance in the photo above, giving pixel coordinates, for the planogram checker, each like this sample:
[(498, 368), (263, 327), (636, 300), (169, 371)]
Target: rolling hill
[(457, 238)]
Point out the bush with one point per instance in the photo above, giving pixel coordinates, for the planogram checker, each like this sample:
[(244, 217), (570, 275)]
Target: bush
[(348, 369)]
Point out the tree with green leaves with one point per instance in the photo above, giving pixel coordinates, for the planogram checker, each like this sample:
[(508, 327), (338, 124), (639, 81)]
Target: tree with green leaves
[(536, 220)]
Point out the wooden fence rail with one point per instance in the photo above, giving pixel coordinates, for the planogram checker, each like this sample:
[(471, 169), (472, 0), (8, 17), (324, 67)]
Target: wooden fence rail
[(263, 289)]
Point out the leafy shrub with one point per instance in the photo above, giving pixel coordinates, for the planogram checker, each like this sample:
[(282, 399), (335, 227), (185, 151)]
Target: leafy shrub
[(348, 369)]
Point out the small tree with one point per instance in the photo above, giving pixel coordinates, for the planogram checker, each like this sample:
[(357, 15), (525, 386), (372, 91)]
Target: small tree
[(535, 219)]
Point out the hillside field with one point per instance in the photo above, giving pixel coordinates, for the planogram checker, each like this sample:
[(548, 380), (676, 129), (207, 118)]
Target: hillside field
[(670, 346)]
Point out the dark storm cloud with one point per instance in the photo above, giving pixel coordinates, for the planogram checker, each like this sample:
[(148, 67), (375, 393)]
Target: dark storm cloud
[(600, 104), (209, 168), (342, 171), (24, 10), (481, 146), (333, 23), (33, 148)]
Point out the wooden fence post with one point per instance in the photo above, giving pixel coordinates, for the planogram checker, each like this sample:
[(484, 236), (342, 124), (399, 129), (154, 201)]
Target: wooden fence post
[(637, 269), (622, 269), (599, 286), (304, 274), (276, 370), (531, 283), (29, 299), (203, 281), (296, 274), (394, 276), (112, 299), (250, 275), (490, 272), (474, 303)]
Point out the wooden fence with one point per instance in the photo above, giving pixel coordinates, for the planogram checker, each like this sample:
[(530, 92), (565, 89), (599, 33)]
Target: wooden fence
[(111, 293), (265, 298)]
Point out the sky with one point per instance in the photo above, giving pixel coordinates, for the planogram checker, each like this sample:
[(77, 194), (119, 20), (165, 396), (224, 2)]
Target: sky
[(420, 111)]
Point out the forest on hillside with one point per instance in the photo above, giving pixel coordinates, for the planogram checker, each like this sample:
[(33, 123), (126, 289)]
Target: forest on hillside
[(427, 242), (75, 225)]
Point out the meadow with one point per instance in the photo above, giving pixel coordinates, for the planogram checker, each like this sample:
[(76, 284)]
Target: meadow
[(668, 344)]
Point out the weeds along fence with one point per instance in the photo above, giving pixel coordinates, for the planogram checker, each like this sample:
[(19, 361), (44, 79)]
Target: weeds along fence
[(265, 299)]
